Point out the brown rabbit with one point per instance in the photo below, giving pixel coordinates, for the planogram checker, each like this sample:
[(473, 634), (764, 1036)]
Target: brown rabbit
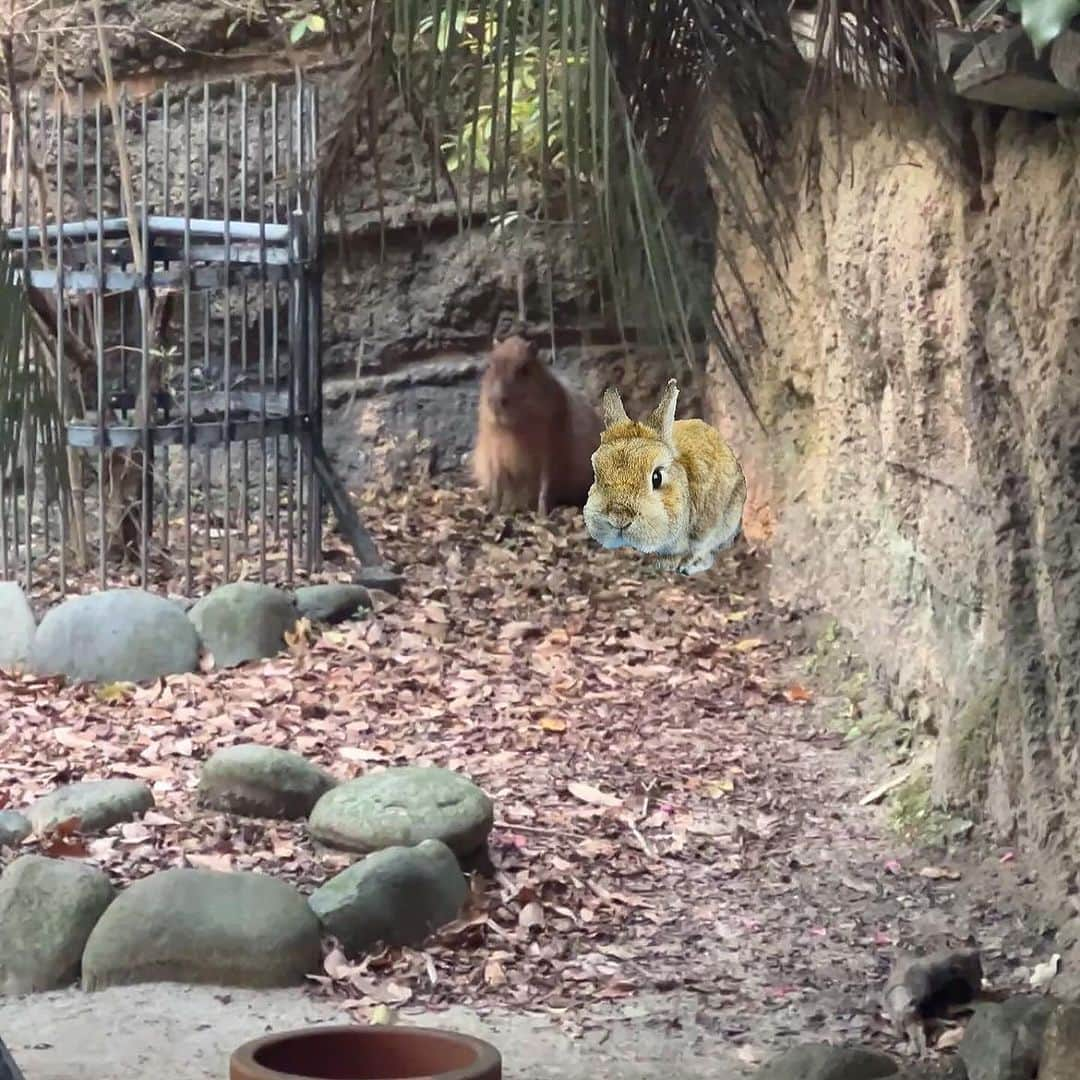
[(535, 437)]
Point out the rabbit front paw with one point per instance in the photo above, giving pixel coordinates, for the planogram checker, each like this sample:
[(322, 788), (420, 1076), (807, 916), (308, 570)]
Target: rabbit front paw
[(696, 563)]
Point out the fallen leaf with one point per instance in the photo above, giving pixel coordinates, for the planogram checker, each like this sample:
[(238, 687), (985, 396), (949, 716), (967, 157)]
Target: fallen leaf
[(950, 1038), (553, 723), (588, 793), (749, 644), (1043, 974), (114, 692), (798, 694), (531, 914), (211, 861), (939, 873)]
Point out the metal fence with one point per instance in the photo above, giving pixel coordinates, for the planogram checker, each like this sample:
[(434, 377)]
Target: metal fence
[(169, 382)]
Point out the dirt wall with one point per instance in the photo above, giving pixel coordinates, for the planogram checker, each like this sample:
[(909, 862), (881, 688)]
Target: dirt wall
[(919, 472)]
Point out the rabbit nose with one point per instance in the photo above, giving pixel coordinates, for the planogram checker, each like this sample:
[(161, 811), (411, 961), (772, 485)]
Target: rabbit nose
[(620, 518)]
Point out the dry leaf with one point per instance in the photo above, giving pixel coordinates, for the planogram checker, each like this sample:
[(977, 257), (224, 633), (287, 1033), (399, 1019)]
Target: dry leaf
[(553, 723), (950, 1038), (115, 691), (531, 914), (798, 694), (588, 793), (749, 644), (210, 861), (939, 873)]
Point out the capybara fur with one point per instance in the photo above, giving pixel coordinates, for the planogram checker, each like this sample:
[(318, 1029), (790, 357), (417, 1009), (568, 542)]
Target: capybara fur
[(535, 437)]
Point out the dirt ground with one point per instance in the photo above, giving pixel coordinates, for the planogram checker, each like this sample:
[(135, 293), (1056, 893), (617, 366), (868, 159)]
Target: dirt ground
[(685, 878)]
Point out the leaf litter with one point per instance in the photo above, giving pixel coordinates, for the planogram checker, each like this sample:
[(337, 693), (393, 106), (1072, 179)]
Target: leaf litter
[(672, 811)]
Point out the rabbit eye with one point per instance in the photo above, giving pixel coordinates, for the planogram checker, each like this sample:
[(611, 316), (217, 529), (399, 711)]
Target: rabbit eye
[(657, 479)]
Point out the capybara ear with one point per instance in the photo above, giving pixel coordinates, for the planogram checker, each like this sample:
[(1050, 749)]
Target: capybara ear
[(612, 406)]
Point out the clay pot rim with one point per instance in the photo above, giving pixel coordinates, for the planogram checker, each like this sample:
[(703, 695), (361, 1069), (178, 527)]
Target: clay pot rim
[(487, 1057)]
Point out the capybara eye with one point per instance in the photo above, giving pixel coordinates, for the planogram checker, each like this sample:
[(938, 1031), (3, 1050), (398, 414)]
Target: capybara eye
[(657, 479)]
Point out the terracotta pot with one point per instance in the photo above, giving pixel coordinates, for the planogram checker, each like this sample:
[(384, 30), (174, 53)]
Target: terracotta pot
[(377, 1052)]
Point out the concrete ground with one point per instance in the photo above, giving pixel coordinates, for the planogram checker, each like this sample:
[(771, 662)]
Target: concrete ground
[(165, 1032)]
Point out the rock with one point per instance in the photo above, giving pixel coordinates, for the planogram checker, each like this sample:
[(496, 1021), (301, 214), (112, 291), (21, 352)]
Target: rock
[(17, 627), (331, 603), (402, 807), (121, 635), (922, 988), (396, 896), (244, 621), (48, 907), (202, 926), (948, 1070), (1065, 59), (262, 781), (1061, 1044), (1003, 1040), (380, 577), (14, 828), (820, 1062), (98, 804)]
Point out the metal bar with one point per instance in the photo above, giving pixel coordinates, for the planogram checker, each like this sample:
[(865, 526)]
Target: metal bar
[(146, 513), (5, 203), (315, 314), (297, 349), (26, 344), (263, 508), (159, 224), (245, 508), (208, 485), (99, 351), (188, 584), (226, 181), (61, 359), (275, 328), (165, 206)]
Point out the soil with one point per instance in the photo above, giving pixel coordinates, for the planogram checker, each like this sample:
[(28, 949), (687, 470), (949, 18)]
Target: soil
[(684, 878)]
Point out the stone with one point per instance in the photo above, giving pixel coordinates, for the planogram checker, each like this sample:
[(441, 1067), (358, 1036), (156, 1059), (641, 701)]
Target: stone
[(380, 577), (332, 603), (1065, 59), (48, 908), (1003, 1040), (98, 804), (205, 927), (948, 1070), (17, 627), (817, 1061), (244, 621), (1061, 1044), (262, 781), (14, 828), (396, 896), (401, 807), (1003, 69), (954, 45), (120, 635)]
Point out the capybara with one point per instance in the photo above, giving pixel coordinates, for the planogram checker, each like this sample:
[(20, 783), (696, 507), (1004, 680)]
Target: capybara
[(535, 437)]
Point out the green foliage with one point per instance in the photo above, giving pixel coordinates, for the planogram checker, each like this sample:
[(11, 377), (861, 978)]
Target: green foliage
[(1044, 20)]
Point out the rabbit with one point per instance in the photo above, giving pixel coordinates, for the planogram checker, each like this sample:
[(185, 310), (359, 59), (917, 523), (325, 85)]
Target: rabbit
[(535, 436), (665, 487)]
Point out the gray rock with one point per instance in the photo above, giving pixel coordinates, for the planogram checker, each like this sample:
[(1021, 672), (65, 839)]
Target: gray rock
[(17, 626), (14, 828), (122, 635), (922, 988), (401, 807), (98, 804), (1003, 1040), (331, 603), (262, 781), (205, 927), (48, 907), (396, 896), (381, 578), (244, 621), (1061, 1044), (817, 1061), (948, 1070)]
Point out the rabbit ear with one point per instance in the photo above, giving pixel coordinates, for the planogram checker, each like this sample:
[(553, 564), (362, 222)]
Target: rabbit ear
[(662, 417), (614, 413)]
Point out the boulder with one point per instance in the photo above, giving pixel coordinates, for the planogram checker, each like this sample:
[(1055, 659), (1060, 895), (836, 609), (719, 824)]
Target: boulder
[(396, 896), (332, 603), (1003, 1040), (98, 804), (401, 807), (17, 627), (8, 1069), (262, 781), (14, 828), (48, 907), (121, 635), (817, 1061), (1060, 1058), (243, 621), (206, 927)]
